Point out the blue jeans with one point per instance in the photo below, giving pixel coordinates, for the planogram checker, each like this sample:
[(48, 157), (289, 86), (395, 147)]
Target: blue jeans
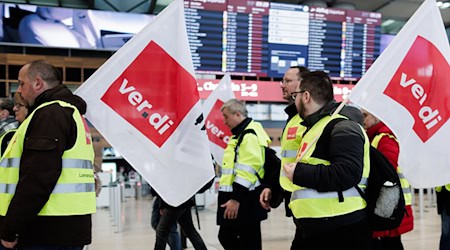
[(173, 238), (444, 243)]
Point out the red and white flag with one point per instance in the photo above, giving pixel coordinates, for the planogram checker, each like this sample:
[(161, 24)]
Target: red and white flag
[(408, 89), (218, 133), (144, 101)]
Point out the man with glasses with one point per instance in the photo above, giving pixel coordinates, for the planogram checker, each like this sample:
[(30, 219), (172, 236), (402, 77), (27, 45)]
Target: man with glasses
[(7, 118), (333, 159), (290, 141)]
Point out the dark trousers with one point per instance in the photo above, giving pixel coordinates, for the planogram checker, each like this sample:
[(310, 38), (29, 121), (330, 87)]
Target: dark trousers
[(351, 237), (387, 243), (444, 211), (169, 217), (241, 237), (173, 239), (297, 237)]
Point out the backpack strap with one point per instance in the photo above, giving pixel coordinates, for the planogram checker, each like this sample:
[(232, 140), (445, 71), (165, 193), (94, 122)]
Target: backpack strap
[(236, 149), (326, 136), (241, 137)]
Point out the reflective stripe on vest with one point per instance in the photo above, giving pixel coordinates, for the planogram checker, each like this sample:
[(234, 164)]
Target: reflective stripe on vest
[(59, 188), (241, 172), (74, 192), (406, 187), (309, 203), (289, 153), (66, 163), (290, 142)]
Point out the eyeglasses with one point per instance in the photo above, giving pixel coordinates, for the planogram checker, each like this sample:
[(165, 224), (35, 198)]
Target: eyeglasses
[(285, 82), (295, 93)]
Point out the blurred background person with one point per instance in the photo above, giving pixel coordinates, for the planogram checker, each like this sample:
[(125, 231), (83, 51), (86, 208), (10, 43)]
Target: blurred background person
[(7, 119), (443, 208), (21, 111), (382, 138)]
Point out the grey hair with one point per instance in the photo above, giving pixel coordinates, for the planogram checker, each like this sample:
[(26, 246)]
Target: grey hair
[(233, 106)]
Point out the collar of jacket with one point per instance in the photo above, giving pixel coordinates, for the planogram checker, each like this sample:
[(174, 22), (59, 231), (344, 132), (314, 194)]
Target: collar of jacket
[(326, 110), (62, 93), (239, 128), (291, 111)]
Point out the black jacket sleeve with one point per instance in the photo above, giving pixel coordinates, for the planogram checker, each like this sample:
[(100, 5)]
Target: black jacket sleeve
[(51, 131), (346, 155)]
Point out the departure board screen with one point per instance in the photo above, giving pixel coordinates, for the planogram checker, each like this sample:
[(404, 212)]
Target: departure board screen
[(204, 24), (325, 48), (362, 42), (258, 38), (288, 37), (246, 37)]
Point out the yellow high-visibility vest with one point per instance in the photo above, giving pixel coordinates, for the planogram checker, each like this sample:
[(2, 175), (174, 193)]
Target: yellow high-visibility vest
[(309, 203), (290, 142), (74, 193), (250, 160), (406, 187)]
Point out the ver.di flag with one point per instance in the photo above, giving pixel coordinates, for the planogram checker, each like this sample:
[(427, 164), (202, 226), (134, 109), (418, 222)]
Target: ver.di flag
[(408, 88), (144, 101), (218, 132)]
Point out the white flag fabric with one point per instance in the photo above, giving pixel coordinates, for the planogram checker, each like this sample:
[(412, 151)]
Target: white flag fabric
[(144, 101), (218, 133), (408, 89)]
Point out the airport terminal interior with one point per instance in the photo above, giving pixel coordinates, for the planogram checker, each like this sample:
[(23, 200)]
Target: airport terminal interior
[(255, 41), (131, 228)]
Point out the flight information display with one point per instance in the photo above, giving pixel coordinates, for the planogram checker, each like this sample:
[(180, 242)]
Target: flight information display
[(288, 37), (204, 24), (246, 37), (258, 38), (326, 47)]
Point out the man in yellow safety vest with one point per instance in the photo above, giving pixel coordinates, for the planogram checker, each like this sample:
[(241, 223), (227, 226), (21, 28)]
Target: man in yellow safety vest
[(47, 190)]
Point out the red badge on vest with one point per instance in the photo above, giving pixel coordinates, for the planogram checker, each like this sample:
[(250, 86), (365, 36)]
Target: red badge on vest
[(86, 129), (292, 133), (420, 85)]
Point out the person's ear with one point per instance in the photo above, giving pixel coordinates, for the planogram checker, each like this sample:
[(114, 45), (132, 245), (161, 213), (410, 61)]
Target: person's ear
[(39, 84), (306, 96)]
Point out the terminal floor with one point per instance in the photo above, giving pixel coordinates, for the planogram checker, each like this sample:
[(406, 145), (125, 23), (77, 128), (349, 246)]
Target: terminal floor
[(277, 231)]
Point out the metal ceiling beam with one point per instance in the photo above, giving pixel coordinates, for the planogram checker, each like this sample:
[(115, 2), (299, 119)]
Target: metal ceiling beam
[(136, 6), (151, 7), (383, 5)]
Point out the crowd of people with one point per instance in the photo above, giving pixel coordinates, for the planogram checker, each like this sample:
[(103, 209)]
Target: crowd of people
[(47, 190)]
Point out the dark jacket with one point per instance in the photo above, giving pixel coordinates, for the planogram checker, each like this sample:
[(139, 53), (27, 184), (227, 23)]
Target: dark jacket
[(51, 131), (345, 150), (250, 210)]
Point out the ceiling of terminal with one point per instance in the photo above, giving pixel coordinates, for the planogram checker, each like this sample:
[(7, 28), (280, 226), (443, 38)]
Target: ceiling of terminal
[(395, 12)]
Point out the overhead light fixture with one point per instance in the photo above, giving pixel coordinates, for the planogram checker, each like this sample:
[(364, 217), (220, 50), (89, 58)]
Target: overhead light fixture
[(387, 22), (443, 5)]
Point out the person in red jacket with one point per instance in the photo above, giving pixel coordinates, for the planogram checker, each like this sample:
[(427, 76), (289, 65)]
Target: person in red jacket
[(382, 138)]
